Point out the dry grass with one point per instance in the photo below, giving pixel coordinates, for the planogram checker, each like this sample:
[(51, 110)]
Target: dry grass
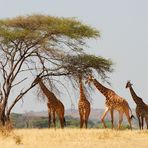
[(6, 132), (75, 138)]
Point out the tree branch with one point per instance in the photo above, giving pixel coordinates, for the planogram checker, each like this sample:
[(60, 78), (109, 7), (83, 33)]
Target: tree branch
[(19, 82), (20, 97)]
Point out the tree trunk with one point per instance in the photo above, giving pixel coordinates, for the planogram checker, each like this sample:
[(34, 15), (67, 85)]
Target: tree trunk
[(3, 119)]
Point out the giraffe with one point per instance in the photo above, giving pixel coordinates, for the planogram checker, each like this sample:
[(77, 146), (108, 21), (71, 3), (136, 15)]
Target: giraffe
[(54, 105), (113, 102), (141, 107), (83, 105)]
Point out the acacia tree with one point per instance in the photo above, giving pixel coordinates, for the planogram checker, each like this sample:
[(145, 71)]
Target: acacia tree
[(82, 65), (37, 45)]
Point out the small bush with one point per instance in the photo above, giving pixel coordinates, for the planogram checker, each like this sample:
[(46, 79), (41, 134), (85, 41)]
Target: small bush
[(18, 139), (7, 129)]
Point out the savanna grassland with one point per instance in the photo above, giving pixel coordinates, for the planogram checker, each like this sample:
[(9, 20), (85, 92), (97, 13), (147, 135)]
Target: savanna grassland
[(74, 138)]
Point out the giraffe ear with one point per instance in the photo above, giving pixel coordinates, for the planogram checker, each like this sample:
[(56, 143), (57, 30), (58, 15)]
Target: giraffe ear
[(130, 82)]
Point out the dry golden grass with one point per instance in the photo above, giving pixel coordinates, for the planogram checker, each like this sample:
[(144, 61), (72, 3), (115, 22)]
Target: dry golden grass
[(75, 138)]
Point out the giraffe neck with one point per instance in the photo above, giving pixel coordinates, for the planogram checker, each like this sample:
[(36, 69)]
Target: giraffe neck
[(82, 95), (46, 91), (136, 99), (104, 90)]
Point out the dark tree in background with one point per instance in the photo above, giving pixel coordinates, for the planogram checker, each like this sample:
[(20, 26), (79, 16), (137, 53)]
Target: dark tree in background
[(44, 46)]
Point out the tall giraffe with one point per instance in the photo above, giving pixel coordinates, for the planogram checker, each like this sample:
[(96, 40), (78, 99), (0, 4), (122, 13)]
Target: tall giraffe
[(113, 102), (141, 107), (54, 105), (83, 105)]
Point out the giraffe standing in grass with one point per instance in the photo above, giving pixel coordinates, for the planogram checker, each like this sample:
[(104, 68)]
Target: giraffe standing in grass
[(113, 102), (83, 105), (54, 105), (141, 107)]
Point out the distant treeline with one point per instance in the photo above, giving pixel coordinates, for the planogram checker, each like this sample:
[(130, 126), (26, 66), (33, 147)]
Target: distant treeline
[(21, 121)]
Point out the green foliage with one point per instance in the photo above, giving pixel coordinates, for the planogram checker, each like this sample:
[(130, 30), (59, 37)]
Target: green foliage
[(17, 120), (40, 123), (45, 46), (108, 124), (85, 63), (41, 27), (72, 122)]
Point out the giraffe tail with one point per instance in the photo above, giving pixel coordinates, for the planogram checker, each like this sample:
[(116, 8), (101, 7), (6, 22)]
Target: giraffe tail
[(132, 116)]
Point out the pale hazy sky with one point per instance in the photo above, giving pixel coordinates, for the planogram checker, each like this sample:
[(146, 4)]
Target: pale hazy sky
[(124, 38)]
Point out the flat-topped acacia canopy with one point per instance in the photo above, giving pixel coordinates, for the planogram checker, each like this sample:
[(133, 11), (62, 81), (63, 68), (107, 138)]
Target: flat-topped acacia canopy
[(42, 44)]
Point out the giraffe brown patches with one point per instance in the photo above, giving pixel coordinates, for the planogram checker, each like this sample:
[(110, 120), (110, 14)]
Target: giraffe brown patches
[(54, 105), (141, 107), (84, 107), (113, 101)]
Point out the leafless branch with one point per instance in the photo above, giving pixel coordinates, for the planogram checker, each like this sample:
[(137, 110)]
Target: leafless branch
[(20, 97), (64, 88), (19, 82)]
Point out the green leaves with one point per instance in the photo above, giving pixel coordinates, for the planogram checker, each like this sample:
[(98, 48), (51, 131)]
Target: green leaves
[(55, 36), (48, 25), (84, 64)]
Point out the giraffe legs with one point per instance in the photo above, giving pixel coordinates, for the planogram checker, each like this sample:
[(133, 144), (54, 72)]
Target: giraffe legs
[(112, 117), (103, 116), (142, 123), (54, 120), (85, 121), (139, 122), (61, 122), (49, 118), (146, 120), (120, 119), (141, 119), (84, 118), (61, 118), (128, 118), (81, 121)]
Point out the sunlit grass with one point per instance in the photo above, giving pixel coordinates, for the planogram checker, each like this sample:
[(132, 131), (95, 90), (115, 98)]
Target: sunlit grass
[(75, 138)]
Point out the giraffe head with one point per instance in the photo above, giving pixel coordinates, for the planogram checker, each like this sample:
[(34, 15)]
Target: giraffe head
[(128, 84), (89, 79)]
